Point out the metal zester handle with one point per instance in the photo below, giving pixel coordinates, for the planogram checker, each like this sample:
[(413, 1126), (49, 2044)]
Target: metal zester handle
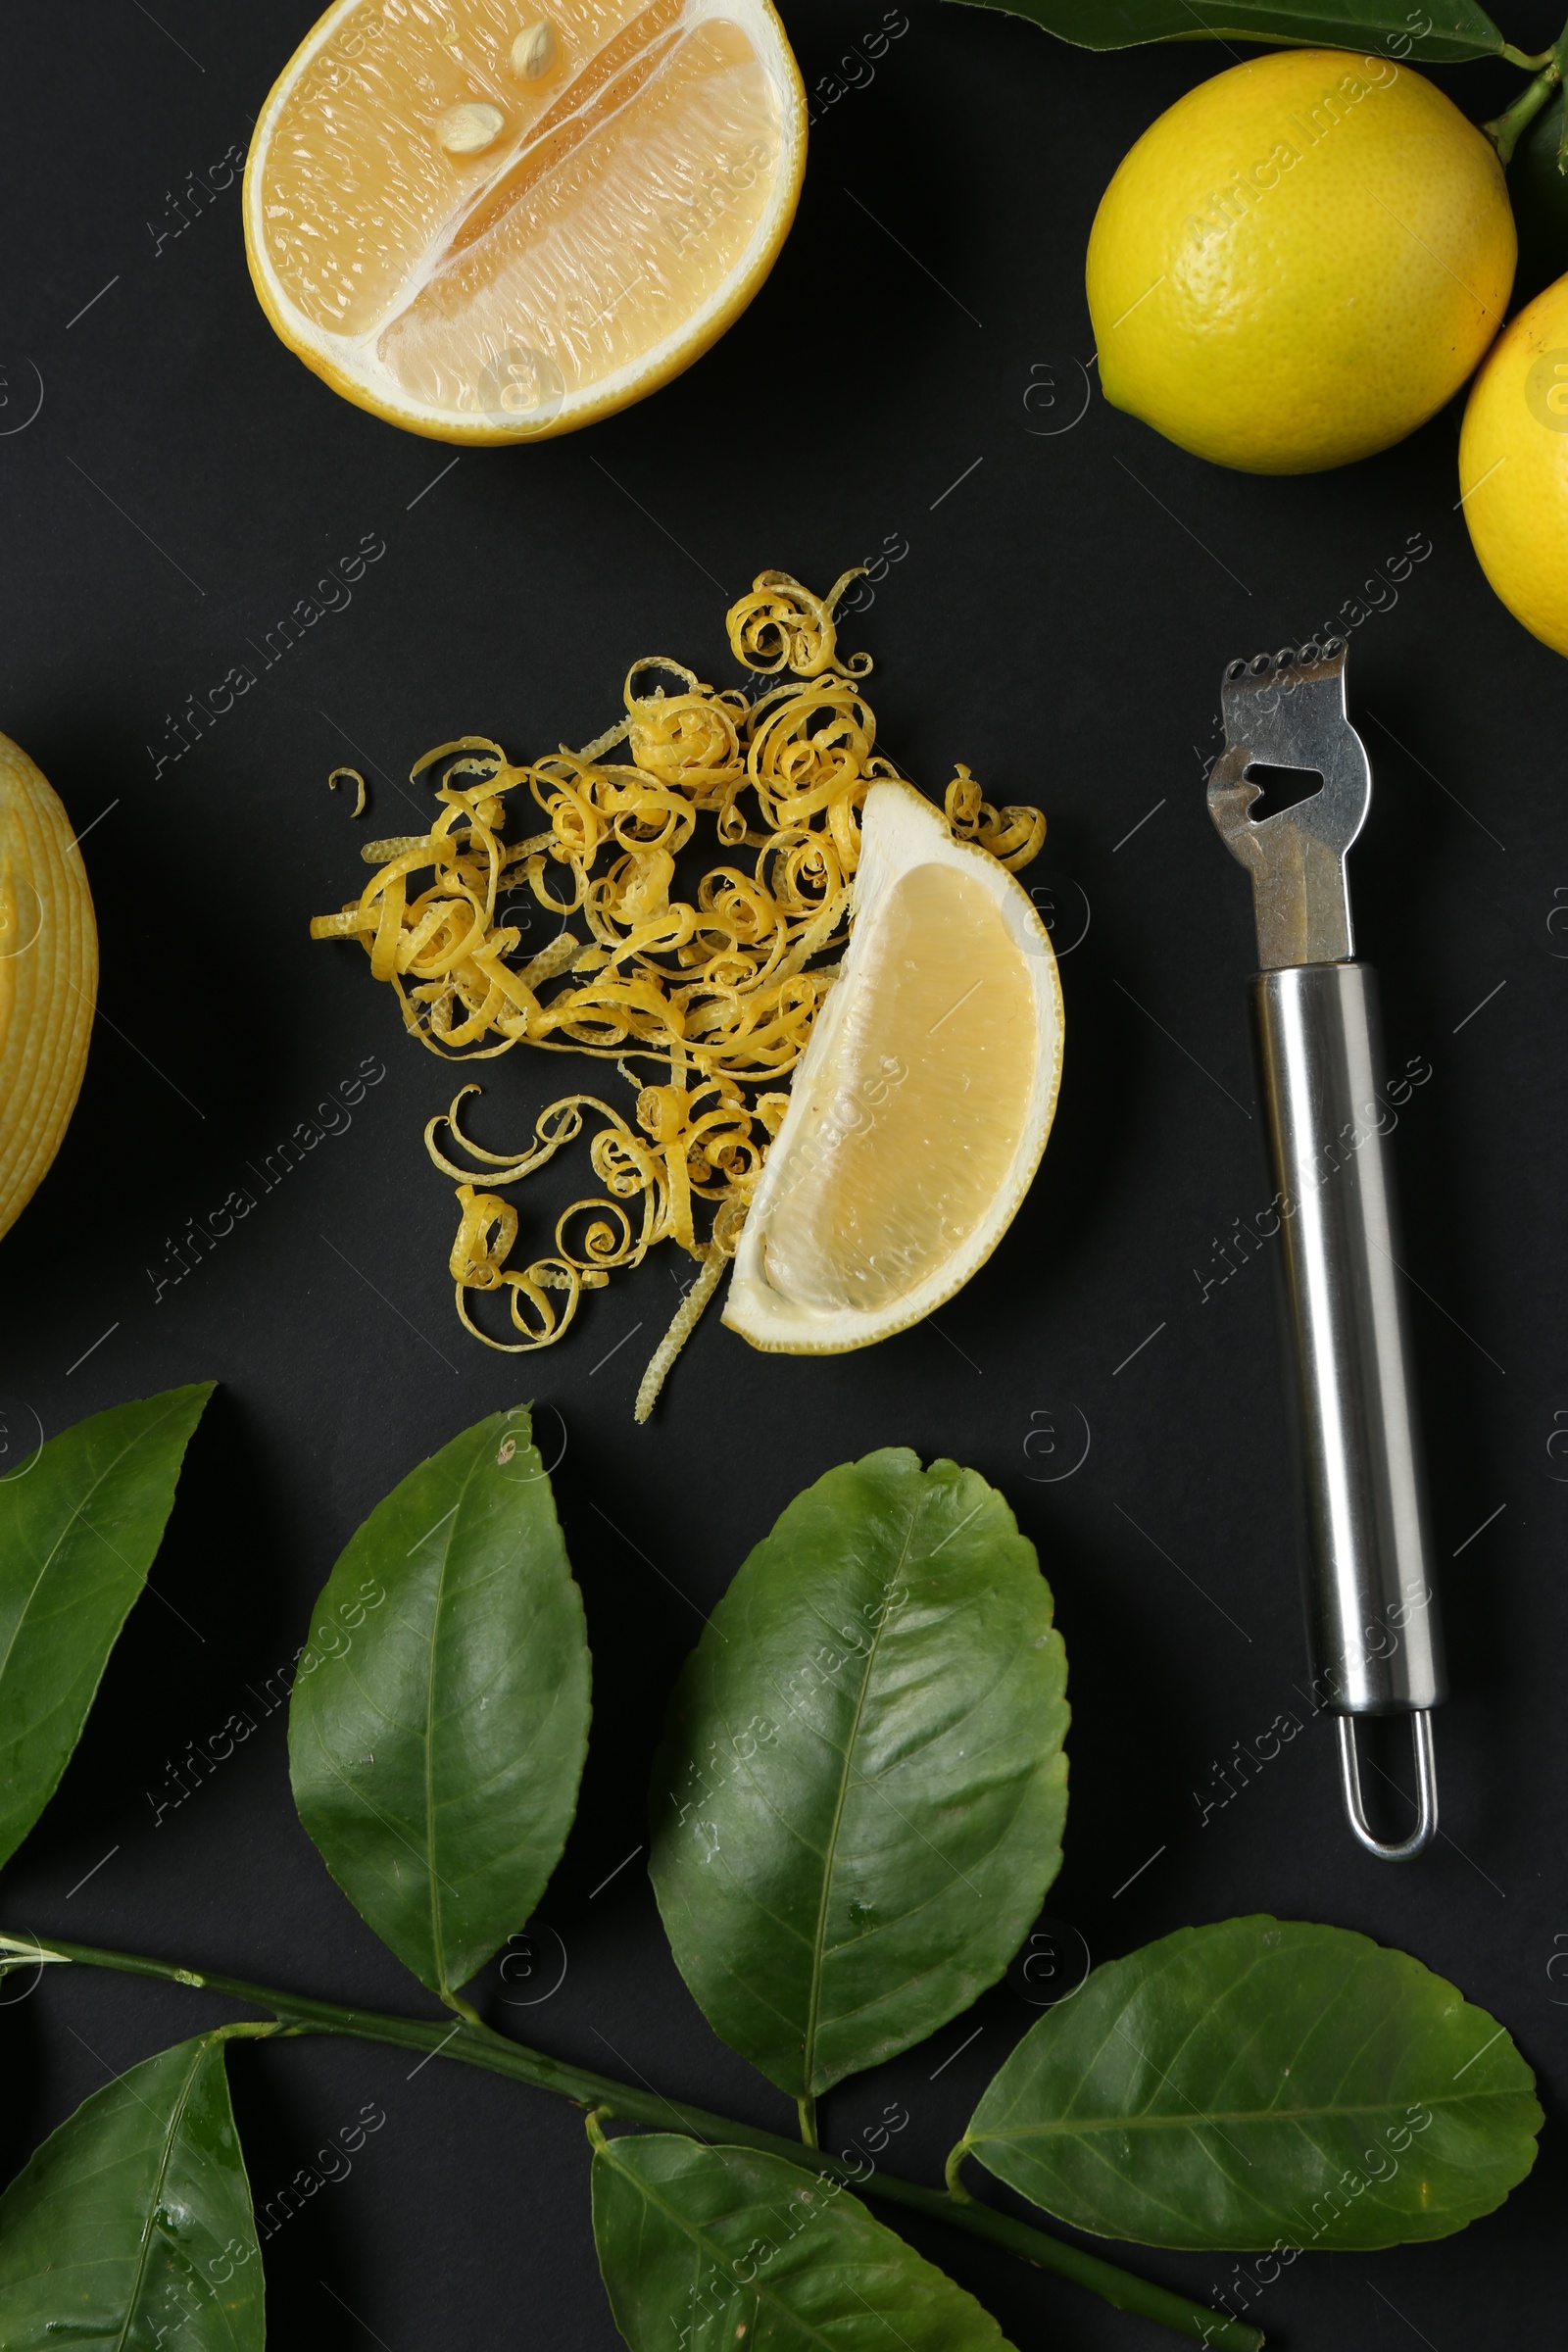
[(1371, 1597)]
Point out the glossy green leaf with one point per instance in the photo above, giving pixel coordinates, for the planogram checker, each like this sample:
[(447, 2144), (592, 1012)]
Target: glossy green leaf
[(439, 1720), (859, 1804), (1537, 190), (80, 1528), (702, 2249), (1439, 29), (1263, 2083), (131, 2226)]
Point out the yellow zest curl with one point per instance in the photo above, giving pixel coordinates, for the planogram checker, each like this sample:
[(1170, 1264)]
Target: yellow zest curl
[(783, 625), (1014, 836), (348, 775)]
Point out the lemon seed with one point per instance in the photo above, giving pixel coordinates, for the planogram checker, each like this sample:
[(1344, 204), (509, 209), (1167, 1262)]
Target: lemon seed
[(534, 52), (469, 130)]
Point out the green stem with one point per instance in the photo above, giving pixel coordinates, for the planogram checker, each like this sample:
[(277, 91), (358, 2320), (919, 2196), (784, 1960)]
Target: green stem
[(481, 2045), (1508, 128), (808, 2114)]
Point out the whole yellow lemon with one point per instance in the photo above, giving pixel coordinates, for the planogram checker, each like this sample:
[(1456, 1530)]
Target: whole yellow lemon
[(1513, 465), (1299, 262)]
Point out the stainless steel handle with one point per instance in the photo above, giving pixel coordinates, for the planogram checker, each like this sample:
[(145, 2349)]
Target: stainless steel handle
[(1372, 1611)]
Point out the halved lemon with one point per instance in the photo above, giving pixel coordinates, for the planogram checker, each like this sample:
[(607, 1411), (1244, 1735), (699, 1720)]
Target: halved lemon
[(48, 977), (921, 1105), (489, 223)]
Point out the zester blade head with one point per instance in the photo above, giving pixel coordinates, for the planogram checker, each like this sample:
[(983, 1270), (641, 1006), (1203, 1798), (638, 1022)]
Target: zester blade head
[(1287, 710)]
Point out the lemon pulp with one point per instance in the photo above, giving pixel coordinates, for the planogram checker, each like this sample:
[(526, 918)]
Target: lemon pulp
[(921, 1104), (48, 977), (615, 198), (899, 1156)]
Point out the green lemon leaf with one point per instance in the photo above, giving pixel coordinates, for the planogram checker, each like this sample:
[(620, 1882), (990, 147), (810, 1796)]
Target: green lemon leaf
[(1439, 29), (859, 1804), (80, 1523), (1259, 2085), (132, 2226), (702, 2249), (1537, 190), (440, 1714)]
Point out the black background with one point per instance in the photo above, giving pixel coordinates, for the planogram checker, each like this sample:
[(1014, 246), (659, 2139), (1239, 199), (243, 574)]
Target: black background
[(1060, 620)]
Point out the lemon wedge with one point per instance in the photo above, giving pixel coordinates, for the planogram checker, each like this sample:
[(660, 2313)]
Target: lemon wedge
[(487, 228), (922, 1102)]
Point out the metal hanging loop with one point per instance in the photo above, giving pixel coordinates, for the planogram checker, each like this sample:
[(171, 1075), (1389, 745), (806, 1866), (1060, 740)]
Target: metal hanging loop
[(1426, 1777)]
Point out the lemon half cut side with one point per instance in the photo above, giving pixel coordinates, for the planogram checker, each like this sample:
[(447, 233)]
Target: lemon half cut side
[(48, 977), (921, 1105), (486, 225)]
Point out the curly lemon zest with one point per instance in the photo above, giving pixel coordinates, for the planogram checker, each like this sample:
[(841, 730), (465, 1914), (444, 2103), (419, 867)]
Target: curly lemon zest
[(718, 991), (348, 775)]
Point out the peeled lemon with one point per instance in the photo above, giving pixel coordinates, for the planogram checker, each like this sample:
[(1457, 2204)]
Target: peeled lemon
[(921, 1105), (1513, 465), (1299, 262), (48, 977), (489, 227)]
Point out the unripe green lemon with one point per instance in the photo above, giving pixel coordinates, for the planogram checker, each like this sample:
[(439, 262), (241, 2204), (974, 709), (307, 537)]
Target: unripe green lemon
[(1299, 262), (1513, 465)]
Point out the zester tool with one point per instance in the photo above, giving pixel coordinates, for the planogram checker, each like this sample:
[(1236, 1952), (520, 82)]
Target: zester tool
[(1371, 1601)]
